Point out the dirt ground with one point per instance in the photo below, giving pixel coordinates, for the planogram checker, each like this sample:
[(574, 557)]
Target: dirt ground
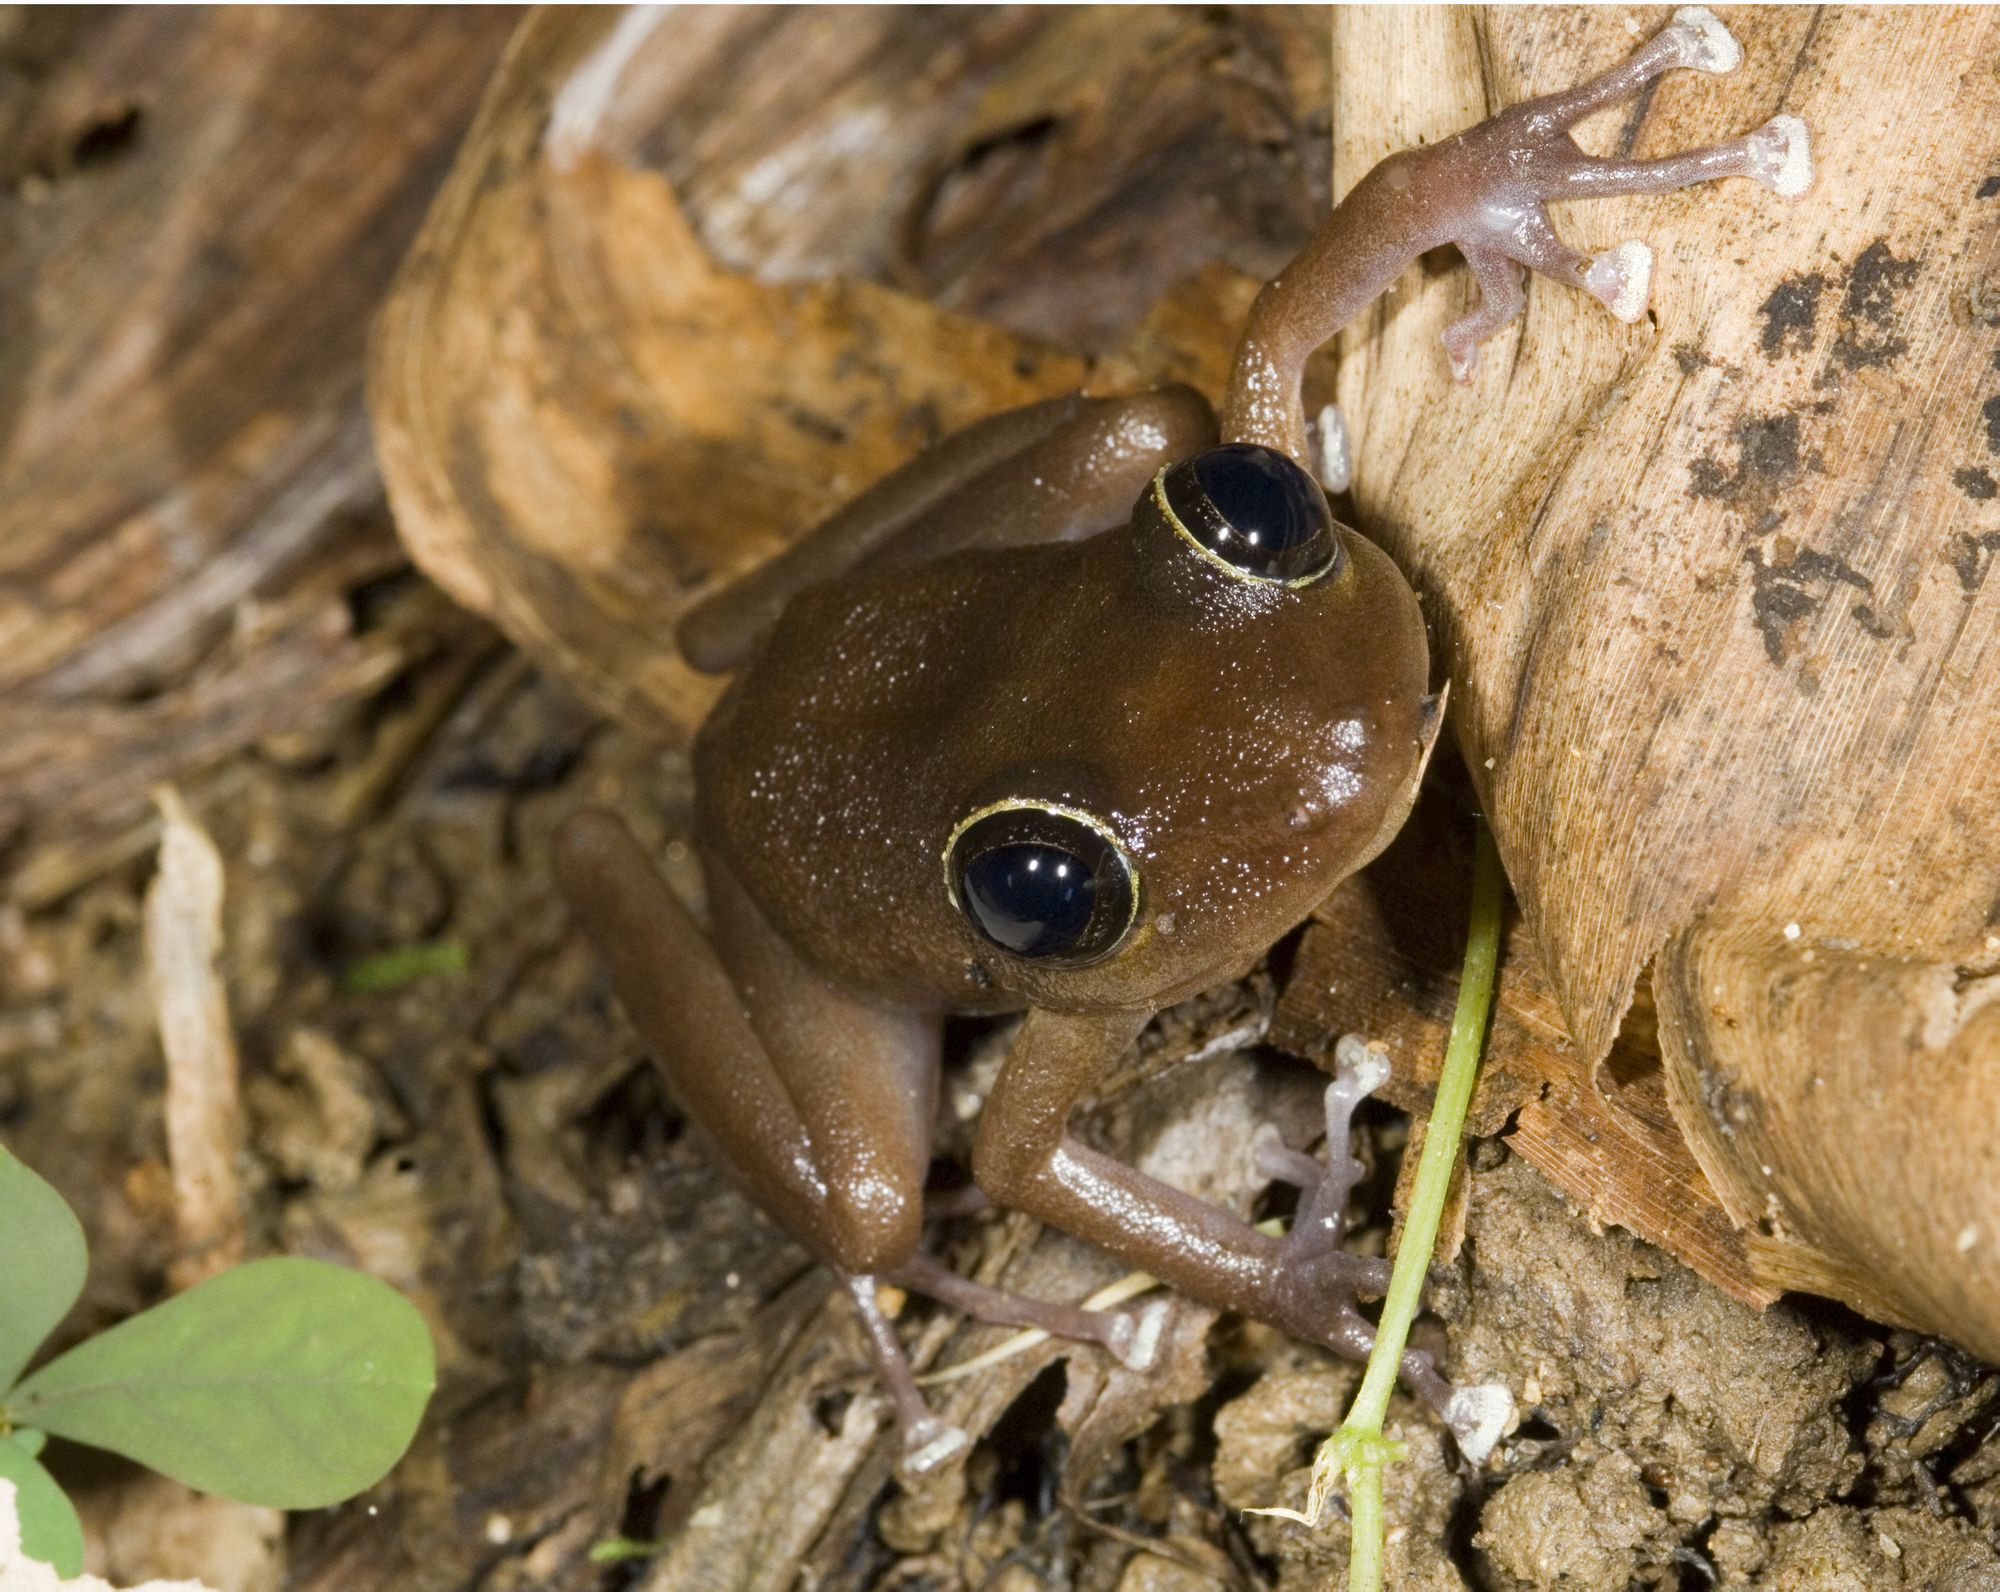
[(633, 1360)]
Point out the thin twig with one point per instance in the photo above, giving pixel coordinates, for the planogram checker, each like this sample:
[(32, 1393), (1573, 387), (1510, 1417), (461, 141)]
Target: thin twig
[(204, 1109)]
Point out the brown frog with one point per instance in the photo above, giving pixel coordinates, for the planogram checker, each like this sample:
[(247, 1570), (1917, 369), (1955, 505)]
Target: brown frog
[(1076, 714)]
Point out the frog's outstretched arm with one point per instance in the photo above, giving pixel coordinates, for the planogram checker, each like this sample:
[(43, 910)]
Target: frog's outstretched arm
[(1486, 191)]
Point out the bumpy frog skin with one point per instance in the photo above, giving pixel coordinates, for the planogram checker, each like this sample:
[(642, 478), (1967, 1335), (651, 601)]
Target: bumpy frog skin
[(1076, 714)]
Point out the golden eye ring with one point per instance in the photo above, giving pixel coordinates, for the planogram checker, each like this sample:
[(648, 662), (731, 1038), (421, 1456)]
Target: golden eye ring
[(1253, 513)]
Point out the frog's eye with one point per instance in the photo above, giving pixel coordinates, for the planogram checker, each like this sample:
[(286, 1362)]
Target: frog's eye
[(1043, 882), (1253, 511)]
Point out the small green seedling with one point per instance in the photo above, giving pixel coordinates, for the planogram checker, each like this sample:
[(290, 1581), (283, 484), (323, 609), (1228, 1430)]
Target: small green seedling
[(289, 1383)]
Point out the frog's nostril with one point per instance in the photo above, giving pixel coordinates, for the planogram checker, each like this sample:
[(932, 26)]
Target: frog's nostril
[(1253, 511)]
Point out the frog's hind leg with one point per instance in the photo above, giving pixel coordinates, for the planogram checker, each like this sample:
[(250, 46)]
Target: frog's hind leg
[(865, 1081), (819, 1105), (836, 1155)]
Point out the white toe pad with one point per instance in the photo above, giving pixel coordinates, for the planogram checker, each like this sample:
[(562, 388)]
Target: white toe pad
[(1706, 44), (1149, 1332), (1353, 1059), (1478, 1418), (1781, 156), (1623, 279), (931, 1444)]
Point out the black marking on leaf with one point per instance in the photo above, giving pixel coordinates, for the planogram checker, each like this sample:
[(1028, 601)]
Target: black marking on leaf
[(1789, 313), (1782, 595)]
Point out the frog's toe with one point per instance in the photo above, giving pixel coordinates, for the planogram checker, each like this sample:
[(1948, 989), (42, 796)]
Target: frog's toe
[(1779, 155), (1359, 1070), (930, 1444), (1136, 1339), (1621, 279), (1501, 298), (1704, 41), (1276, 1163), (1478, 1417)]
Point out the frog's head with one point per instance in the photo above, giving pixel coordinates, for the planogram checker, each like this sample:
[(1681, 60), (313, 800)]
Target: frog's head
[(1242, 723)]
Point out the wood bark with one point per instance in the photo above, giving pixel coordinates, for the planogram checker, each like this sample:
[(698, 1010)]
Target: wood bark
[(201, 212), (1714, 591)]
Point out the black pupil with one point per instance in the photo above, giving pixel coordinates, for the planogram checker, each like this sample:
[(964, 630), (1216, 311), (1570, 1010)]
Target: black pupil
[(1044, 883), (1255, 508), (1032, 899)]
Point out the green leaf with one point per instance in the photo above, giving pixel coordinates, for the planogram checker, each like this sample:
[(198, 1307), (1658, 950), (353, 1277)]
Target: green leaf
[(289, 1383), (50, 1530), (388, 971), (28, 1440), (42, 1259), (618, 1550)]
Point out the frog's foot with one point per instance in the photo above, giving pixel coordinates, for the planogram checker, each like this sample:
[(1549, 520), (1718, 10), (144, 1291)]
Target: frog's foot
[(1508, 168), (928, 1443), (1133, 1337), (1324, 1280), (1321, 1220), (1329, 1280)]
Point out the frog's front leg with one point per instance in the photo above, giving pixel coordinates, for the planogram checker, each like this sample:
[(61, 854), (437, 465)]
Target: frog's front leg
[(1025, 1158), (818, 1104), (1486, 191)]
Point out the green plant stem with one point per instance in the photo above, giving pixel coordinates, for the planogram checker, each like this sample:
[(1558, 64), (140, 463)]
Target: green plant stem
[(1441, 1140), (1358, 1449), (1364, 1520)]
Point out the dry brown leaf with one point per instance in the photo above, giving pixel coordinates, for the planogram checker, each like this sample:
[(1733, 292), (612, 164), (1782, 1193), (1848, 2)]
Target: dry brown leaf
[(586, 419)]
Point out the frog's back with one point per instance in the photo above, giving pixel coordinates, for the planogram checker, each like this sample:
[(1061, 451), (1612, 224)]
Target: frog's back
[(824, 772)]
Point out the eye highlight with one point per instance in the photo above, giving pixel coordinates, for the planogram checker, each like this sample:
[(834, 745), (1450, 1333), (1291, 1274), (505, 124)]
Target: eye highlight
[(1253, 511), (1043, 882)]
